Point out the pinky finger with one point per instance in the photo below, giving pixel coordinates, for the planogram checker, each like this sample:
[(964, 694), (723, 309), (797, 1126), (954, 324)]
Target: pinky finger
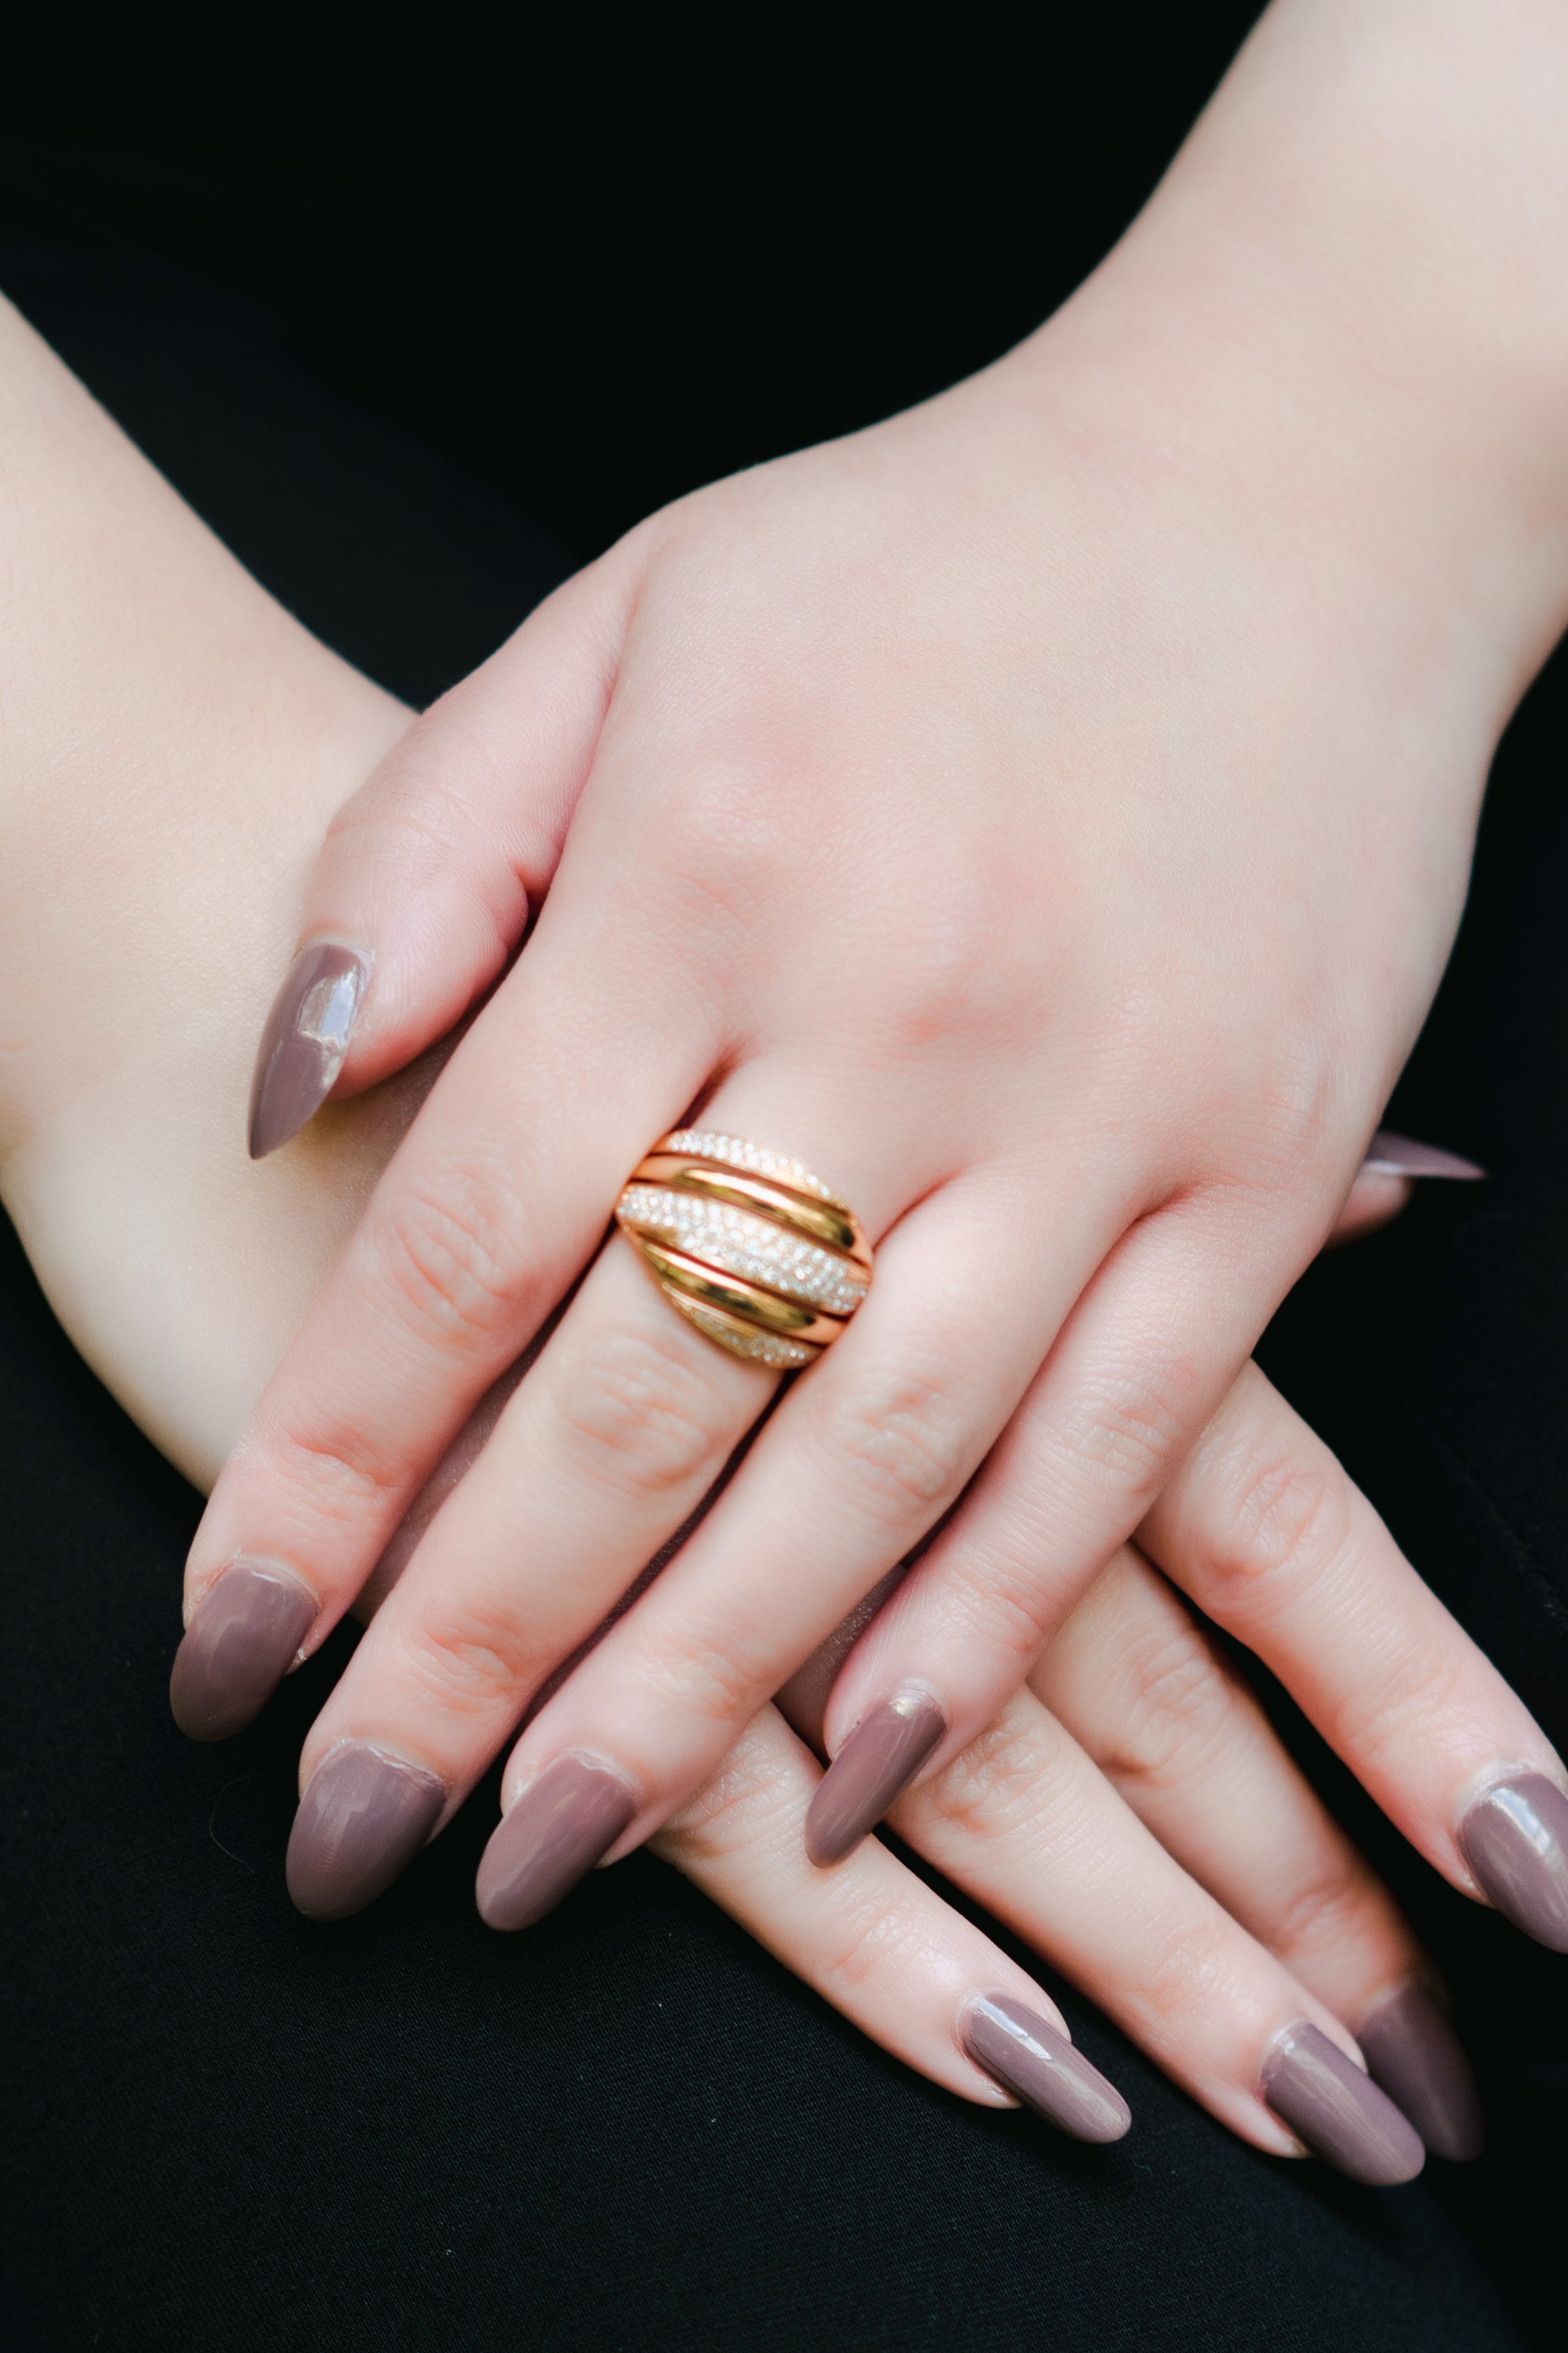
[(873, 1940)]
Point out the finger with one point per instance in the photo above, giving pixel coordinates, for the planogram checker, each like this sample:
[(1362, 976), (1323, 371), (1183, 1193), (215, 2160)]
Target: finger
[(428, 873), (1149, 1698), (1262, 1527), (600, 1456), (1024, 1822), (477, 1227), (1142, 1362), (881, 1947)]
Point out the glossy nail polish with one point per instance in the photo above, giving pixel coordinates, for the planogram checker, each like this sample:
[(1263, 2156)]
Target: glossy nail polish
[(361, 1820), (882, 1756), (304, 1042), (1033, 2060), (558, 1829), (1391, 1154), (1320, 2092), (1414, 2054), (1515, 1840), (238, 1648)]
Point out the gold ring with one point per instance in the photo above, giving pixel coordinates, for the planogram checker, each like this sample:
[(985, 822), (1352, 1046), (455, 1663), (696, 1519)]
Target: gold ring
[(747, 1244)]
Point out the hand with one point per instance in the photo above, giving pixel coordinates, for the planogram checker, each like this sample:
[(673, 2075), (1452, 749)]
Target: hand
[(218, 736), (1049, 813)]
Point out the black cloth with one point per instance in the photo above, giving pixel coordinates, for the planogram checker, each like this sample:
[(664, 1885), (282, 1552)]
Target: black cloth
[(227, 2128)]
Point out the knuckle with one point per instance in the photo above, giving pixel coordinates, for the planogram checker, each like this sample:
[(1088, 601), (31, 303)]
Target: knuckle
[(1125, 1426), (1287, 1516), (1181, 1704), (900, 1443), (996, 1785), (473, 1659), (340, 1474), (709, 1675), (449, 1248), (1408, 1706), (640, 1417), (998, 1606), (1186, 1966), (727, 1815), (874, 1939), (1328, 1908)]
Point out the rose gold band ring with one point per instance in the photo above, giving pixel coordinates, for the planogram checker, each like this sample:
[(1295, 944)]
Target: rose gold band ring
[(747, 1244)]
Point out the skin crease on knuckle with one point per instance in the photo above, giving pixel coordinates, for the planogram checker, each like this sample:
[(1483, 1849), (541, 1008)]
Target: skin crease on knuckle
[(451, 1251), (897, 1447), (476, 1664), (639, 1414)]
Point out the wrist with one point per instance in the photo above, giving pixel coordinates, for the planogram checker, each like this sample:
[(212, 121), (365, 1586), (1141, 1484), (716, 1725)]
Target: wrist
[(1338, 337)]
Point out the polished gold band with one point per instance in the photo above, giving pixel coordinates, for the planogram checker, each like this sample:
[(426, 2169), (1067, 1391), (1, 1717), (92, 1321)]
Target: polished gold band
[(748, 1245)]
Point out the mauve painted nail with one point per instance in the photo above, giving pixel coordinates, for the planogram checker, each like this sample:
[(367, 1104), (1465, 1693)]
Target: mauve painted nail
[(1029, 2057), (361, 1820), (557, 1830), (1515, 1840), (1391, 1155), (1322, 2094), (1414, 2054), (881, 1755), (304, 1042), (238, 1648)]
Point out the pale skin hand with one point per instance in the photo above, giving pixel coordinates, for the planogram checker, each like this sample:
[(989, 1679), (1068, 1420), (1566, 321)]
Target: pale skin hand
[(1048, 814), (208, 736)]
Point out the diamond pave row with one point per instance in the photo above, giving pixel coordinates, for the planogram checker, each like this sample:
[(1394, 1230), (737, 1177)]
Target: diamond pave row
[(761, 1347), (734, 1151), (750, 1247)]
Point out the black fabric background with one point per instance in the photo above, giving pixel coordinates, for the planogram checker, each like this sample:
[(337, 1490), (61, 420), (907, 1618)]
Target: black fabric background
[(371, 322)]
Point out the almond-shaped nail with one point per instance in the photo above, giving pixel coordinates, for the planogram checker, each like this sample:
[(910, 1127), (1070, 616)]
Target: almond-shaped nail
[(304, 1042), (1515, 1840), (882, 1756), (1391, 1154), (1320, 2092), (361, 1820), (238, 1649), (558, 1829), (1414, 2053), (1032, 2058)]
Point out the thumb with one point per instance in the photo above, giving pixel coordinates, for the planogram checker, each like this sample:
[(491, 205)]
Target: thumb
[(427, 875)]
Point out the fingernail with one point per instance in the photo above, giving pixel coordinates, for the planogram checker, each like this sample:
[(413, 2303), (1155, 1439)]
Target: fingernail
[(1339, 2113), (1028, 2057), (557, 1830), (1415, 2055), (303, 1044), (1515, 1840), (1391, 1155), (881, 1755), (237, 1649), (363, 1820)]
